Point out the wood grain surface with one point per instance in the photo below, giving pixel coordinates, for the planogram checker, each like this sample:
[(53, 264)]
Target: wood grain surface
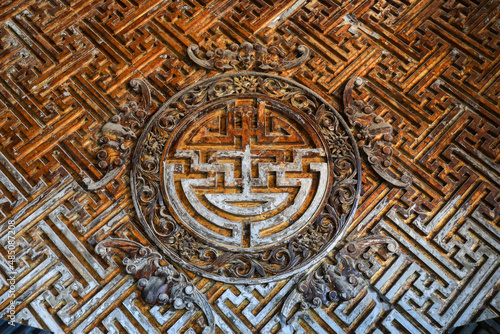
[(431, 68)]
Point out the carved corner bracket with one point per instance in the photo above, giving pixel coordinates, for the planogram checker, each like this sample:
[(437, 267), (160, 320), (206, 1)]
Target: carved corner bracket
[(114, 144), (336, 283), (160, 284), (374, 135), (248, 56)]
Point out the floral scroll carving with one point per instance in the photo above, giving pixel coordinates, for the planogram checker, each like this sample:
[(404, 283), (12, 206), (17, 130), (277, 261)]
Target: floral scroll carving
[(244, 92), (114, 149), (374, 135), (160, 284), (248, 56), (336, 283)]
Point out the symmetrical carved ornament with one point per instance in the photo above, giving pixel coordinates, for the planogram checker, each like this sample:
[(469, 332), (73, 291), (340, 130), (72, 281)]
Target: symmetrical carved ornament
[(248, 56), (160, 284), (246, 177)]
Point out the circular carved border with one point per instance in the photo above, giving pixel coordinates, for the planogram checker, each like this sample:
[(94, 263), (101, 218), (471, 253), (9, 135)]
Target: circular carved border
[(295, 255), (231, 130)]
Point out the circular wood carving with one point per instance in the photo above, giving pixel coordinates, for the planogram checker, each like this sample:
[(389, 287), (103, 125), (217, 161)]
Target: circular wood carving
[(246, 177)]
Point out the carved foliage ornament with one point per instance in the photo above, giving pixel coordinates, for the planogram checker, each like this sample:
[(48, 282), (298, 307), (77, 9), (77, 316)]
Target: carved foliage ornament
[(374, 135), (245, 177), (117, 133), (161, 284), (248, 56), (340, 282)]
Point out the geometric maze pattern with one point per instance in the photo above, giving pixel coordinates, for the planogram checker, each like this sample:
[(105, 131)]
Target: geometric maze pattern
[(431, 68)]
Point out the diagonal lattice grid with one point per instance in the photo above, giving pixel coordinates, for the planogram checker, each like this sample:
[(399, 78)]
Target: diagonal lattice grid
[(431, 69)]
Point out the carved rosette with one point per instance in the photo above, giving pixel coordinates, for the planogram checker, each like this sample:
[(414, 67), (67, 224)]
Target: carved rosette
[(250, 94)]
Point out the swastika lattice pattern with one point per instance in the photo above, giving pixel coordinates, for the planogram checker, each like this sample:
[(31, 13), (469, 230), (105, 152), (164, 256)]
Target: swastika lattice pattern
[(430, 67)]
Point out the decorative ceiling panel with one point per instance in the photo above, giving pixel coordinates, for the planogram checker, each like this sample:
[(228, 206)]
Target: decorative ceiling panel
[(414, 86)]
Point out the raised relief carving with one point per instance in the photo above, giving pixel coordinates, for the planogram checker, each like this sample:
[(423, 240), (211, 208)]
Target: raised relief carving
[(248, 56), (374, 135), (336, 283), (117, 133), (255, 183), (246, 178), (160, 284)]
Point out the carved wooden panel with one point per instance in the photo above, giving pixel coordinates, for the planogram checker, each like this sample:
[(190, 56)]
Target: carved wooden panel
[(429, 69)]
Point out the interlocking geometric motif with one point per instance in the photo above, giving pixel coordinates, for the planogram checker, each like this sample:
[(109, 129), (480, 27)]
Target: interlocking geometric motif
[(430, 68), (241, 147), (245, 177)]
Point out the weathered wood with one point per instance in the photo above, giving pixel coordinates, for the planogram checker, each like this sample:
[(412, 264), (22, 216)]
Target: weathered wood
[(430, 71)]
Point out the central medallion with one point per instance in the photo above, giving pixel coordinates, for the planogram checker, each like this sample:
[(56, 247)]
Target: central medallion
[(246, 173), (246, 177)]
